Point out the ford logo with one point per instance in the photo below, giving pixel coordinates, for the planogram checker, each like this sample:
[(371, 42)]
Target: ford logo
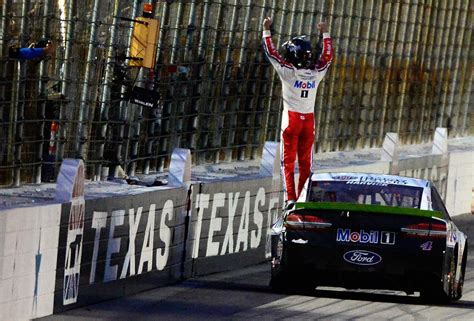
[(361, 257)]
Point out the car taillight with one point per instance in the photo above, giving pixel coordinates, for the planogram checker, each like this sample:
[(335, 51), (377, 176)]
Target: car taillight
[(305, 222), (425, 230)]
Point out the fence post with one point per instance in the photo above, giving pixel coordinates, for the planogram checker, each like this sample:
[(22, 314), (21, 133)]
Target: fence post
[(121, 155), (43, 79), (82, 129), (390, 152), (217, 120), (180, 167), (270, 162), (456, 83), (227, 75), (391, 24), (4, 31), (203, 89), (18, 104), (63, 112), (246, 81), (440, 141), (105, 97)]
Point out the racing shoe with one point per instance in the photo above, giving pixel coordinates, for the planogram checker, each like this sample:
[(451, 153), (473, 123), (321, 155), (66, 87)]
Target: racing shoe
[(289, 205), (277, 226)]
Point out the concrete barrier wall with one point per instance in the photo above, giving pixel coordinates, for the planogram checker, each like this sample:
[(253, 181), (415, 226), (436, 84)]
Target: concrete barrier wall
[(81, 252), (28, 255), (122, 245), (131, 243), (460, 183), (431, 167)]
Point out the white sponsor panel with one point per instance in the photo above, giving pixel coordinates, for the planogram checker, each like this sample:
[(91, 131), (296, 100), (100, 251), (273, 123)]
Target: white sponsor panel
[(70, 188), (72, 264), (28, 256)]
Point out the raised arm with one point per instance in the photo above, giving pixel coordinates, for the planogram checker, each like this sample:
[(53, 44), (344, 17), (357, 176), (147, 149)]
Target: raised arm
[(276, 60), (326, 56)]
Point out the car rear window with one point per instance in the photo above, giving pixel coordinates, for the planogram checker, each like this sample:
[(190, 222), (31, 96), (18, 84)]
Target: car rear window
[(386, 195)]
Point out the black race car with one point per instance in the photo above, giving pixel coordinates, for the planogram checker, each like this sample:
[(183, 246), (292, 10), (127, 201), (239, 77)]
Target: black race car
[(369, 231)]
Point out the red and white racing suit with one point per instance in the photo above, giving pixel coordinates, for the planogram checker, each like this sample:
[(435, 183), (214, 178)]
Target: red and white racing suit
[(297, 125)]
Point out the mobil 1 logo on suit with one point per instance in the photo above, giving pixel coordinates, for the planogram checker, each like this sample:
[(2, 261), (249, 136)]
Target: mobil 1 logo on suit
[(304, 86)]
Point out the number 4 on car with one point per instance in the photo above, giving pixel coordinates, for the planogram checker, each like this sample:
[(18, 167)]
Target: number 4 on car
[(369, 231)]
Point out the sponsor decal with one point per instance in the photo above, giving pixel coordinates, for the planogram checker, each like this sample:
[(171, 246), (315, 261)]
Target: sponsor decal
[(345, 235), (370, 237), (250, 230), (362, 257), (121, 243), (427, 246), (304, 84), (387, 238), (72, 181), (451, 240), (344, 177), (376, 181), (144, 97), (299, 241), (72, 264)]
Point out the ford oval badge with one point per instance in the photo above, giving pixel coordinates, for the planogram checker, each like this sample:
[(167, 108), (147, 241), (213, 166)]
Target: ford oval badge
[(361, 257)]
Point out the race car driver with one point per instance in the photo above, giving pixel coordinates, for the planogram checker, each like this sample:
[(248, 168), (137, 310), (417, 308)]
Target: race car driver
[(300, 74)]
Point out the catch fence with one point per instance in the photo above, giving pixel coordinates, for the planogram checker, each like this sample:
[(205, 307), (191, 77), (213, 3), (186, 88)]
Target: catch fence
[(400, 66)]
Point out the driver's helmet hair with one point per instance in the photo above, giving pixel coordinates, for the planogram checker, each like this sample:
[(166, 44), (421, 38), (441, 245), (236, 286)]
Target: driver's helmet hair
[(298, 52)]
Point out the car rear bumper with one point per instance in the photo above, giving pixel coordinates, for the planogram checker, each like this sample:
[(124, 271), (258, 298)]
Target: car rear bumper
[(397, 269)]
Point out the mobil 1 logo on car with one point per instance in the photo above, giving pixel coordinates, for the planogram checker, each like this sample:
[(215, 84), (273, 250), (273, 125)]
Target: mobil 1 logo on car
[(365, 237)]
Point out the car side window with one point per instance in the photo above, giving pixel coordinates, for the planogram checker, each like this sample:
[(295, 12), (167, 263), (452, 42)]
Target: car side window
[(437, 202)]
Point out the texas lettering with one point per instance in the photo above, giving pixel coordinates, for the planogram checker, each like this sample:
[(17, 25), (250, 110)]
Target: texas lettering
[(125, 244), (241, 224)]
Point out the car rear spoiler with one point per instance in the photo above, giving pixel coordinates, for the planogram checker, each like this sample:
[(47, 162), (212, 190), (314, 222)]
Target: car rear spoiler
[(368, 208)]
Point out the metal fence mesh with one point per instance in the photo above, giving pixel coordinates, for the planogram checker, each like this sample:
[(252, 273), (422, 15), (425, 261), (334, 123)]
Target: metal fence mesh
[(399, 66)]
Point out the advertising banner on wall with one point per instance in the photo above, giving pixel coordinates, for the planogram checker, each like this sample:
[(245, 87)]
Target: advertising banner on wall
[(118, 238), (229, 223)]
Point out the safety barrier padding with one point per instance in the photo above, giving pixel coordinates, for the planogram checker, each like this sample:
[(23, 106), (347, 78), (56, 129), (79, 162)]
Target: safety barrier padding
[(119, 246)]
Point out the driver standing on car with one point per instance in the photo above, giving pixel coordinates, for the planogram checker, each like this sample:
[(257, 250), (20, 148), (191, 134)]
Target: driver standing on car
[(300, 75)]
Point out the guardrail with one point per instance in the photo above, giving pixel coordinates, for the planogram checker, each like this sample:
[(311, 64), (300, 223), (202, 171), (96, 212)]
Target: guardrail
[(80, 251)]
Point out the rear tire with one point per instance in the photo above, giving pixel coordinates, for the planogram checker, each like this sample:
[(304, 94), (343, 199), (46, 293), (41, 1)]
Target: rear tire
[(436, 294), (460, 285), (285, 280), (287, 283)]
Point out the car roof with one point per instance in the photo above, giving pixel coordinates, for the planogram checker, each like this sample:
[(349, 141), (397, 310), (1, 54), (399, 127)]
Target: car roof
[(365, 178)]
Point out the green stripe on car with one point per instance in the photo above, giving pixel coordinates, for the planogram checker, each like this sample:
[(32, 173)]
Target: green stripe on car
[(368, 208)]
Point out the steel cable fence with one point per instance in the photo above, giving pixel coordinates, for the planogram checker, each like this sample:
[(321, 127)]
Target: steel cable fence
[(399, 66)]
